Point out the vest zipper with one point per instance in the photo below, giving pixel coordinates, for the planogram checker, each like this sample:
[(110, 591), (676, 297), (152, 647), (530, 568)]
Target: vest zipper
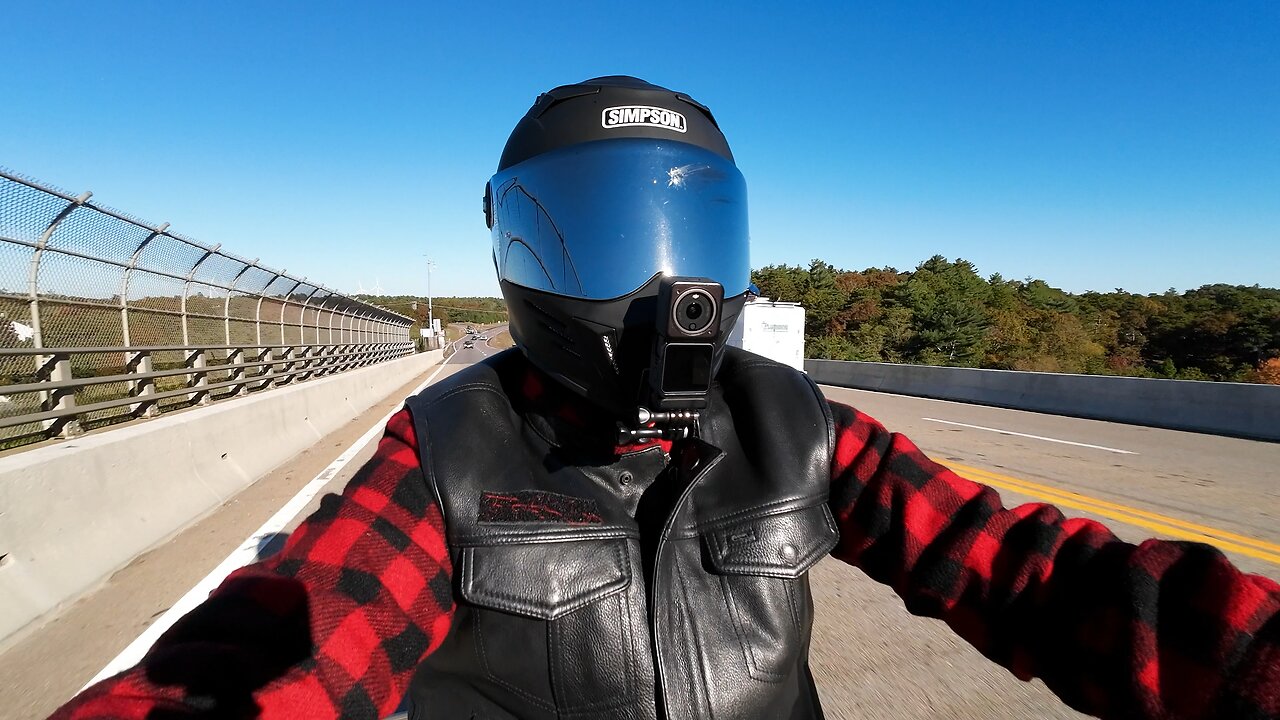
[(657, 578)]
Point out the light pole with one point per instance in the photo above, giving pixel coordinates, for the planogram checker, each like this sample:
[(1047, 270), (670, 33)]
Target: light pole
[(431, 323)]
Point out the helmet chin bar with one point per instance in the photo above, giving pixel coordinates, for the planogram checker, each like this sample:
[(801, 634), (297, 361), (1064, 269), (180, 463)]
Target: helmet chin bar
[(618, 353)]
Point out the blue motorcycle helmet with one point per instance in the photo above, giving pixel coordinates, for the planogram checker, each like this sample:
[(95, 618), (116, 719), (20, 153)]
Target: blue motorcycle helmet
[(604, 188)]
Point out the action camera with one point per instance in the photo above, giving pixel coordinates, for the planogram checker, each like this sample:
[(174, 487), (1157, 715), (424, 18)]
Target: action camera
[(688, 323)]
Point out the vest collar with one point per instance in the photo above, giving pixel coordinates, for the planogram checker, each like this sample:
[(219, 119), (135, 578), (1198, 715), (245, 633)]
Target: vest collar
[(562, 417)]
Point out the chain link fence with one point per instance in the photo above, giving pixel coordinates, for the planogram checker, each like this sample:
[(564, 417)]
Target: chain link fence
[(105, 317)]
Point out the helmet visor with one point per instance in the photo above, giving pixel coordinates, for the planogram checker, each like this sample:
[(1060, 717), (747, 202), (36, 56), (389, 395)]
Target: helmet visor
[(598, 220)]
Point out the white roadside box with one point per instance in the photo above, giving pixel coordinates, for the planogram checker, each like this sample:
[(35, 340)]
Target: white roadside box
[(772, 329)]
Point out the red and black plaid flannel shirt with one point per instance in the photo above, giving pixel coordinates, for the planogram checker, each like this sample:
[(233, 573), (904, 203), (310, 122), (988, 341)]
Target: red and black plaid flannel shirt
[(334, 625)]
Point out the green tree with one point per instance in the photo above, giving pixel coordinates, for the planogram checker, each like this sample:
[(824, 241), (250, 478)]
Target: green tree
[(944, 313), (948, 304), (1223, 331)]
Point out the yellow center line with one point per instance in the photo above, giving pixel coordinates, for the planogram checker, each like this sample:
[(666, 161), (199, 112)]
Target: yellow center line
[(1173, 527), (1193, 527)]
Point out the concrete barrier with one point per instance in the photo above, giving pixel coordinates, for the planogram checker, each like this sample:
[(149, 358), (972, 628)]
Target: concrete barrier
[(75, 512), (1235, 409)]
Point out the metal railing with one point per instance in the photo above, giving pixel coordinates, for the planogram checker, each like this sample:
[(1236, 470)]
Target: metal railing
[(104, 317), (69, 403)]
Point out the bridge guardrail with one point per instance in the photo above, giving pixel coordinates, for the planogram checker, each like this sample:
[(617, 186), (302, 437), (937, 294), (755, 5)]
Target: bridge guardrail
[(119, 308), (1245, 410), (76, 512)]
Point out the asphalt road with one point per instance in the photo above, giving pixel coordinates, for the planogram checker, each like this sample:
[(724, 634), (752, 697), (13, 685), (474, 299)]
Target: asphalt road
[(481, 350), (871, 658)]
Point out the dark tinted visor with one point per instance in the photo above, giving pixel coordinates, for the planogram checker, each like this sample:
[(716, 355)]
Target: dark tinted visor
[(598, 220)]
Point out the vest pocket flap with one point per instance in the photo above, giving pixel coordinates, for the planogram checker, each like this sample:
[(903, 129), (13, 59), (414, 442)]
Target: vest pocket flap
[(543, 580), (783, 545)]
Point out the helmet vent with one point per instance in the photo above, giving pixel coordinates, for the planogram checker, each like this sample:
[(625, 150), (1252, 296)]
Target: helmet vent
[(569, 349), (552, 323), (559, 333), (555, 327)]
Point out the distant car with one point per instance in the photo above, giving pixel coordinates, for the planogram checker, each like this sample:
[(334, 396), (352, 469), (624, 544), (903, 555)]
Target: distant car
[(468, 345), (481, 337)]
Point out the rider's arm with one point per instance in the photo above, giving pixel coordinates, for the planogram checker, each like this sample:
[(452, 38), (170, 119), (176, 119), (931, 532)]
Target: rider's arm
[(1157, 630), (333, 625)]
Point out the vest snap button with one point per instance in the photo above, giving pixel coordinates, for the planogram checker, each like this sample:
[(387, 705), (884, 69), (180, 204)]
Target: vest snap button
[(789, 552), (625, 478)]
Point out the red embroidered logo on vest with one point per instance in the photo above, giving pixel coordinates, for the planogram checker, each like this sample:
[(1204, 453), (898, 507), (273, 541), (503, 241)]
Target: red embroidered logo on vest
[(538, 506)]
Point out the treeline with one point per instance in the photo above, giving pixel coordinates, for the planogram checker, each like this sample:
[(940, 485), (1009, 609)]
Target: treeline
[(945, 313), (480, 310)]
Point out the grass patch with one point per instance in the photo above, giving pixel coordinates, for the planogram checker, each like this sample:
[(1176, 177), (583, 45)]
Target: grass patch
[(502, 340)]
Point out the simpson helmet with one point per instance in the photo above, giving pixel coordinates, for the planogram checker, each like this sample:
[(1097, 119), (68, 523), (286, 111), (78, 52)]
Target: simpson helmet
[(604, 188)]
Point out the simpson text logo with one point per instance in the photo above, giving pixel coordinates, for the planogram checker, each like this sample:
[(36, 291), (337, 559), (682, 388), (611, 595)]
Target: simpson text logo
[(632, 115)]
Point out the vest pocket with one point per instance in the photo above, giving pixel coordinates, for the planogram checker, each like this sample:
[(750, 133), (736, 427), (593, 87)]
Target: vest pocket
[(762, 563), (552, 620)]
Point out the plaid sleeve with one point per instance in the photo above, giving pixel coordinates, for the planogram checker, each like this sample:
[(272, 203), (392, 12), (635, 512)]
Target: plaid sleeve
[(1156, 630), (331, 627)]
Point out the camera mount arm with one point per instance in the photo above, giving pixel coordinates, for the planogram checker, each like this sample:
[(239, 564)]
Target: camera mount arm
[(673, 425)]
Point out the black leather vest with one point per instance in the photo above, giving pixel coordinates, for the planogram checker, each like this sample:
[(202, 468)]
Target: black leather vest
[(641, 587)]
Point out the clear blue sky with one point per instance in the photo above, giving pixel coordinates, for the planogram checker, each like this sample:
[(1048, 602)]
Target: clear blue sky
[(1093, 144)]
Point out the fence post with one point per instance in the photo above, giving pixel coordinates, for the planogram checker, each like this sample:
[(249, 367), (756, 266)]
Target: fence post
[(57, 368), (311, 361), (196, 360), (302, 362), (298, 363), (186, 289), (342, 363), (231, 289), (302, 321), (54, 367), (124, 286), (284, 308), (331, 362), (330, 340), (33, 273), (140, 362), (236, 357), (320, 313), (327, 361), (279, 366), (267, 375)]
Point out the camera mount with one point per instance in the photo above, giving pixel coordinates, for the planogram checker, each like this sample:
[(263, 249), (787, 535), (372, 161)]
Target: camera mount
[(674, 425)]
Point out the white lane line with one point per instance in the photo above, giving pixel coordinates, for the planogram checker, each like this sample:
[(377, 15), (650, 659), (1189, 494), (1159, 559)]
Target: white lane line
[(247, 552), (1034, 437)]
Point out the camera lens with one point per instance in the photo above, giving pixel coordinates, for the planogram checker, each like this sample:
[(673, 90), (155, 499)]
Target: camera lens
[(694, 312)]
